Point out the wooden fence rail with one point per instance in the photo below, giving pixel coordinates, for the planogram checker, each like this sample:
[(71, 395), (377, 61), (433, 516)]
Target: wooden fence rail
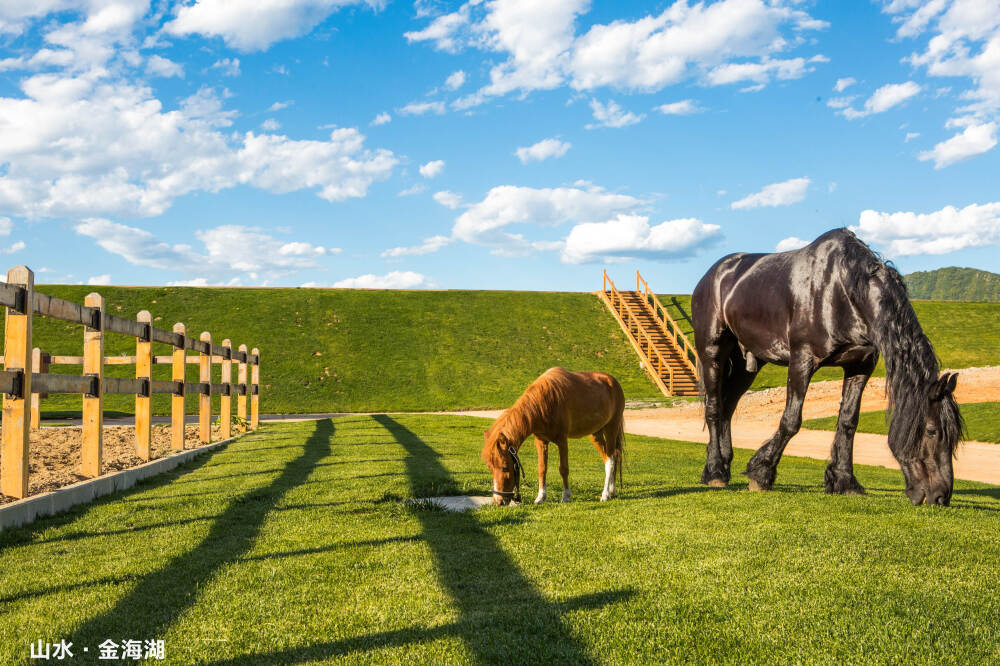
[(25, 379)]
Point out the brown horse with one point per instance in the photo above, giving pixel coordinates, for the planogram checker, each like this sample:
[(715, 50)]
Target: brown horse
[(557, 406)]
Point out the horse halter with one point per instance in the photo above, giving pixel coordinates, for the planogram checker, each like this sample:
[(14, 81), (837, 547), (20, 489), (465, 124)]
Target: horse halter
[(518, 471)]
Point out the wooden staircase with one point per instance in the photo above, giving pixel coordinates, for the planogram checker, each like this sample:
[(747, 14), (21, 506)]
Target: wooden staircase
[(666, 353)]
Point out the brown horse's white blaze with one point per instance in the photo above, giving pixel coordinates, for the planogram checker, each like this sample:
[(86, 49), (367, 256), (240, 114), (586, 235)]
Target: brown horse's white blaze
[(557, 406)]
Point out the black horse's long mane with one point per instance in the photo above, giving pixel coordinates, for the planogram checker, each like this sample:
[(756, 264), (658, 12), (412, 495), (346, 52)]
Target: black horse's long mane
[(911, 365)]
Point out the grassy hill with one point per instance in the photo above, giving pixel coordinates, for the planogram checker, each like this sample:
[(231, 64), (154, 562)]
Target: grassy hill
[(954, 284), (348, 350), (345, 350)]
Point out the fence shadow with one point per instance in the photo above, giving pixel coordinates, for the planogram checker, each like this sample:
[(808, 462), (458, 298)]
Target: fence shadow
[(160, 597), (503, 618), (499, 606)]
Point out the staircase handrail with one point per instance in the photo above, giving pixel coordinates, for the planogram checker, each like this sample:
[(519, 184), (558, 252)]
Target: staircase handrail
[(625, 308), (689, 352)]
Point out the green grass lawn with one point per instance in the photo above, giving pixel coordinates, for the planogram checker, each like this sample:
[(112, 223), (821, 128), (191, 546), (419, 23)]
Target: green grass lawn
[(292, 545), (982, 421)]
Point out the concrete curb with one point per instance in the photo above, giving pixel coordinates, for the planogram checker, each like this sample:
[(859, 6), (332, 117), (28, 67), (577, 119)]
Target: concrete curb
[(25, 511)]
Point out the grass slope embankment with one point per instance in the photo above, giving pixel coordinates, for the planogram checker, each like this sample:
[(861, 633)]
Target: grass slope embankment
[(293, 545), (964, 335), (982, 422), (331, 350)]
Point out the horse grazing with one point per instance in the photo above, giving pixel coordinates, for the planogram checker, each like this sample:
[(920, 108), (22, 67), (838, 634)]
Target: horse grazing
[(832, 303), (555, 407)]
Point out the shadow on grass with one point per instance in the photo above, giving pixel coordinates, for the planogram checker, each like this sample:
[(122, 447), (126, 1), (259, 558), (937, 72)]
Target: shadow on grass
[(499, 606), (503, 618), (160, 597)]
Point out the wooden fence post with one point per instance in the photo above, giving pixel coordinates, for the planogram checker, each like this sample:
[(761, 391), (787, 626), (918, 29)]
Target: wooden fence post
[(241, 378), (226, 401), (177, 400), (16, 409), (255, 396), (205, 401), (36, 399), (93, 407), (144, 403)]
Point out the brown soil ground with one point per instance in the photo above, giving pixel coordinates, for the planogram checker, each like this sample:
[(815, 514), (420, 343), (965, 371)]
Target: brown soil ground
[(54, 458)]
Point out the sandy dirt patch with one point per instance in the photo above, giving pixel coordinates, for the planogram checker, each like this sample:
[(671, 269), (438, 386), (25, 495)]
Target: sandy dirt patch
[(54, 457)]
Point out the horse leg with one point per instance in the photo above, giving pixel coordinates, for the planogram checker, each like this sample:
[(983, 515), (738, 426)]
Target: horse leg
[(600, 441), (543, 463), (763, 466), (839, 476), (736, 385), (564, 467), (714, 357)]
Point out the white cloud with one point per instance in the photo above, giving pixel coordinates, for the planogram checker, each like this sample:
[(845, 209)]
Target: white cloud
[(6, 226), (910, 136), (278, 106), (775, 194), (76, 147), (790, 243), (382, 119), (104, 279), (253, 25), (142, 248), (542, 150), (488, 221), (844, 83), (681, 108), (543, 50), (422, 108), (392, 280), (631, 237), (612, 115), (271, 125), (430, 245), (448, 199), (205, 282), (160, 66), (946, 230), (841, 102), (761, 72), (228, 66), (413, 189), (965, 42), (974, 140), (884, 99), (432, 169), (455, 80), (15, 247)]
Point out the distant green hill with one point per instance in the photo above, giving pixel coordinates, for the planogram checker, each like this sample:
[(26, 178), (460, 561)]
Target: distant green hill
[(954, 284)]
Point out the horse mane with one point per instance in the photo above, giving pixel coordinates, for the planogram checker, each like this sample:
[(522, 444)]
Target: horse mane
[(534, 407), (911, 365)]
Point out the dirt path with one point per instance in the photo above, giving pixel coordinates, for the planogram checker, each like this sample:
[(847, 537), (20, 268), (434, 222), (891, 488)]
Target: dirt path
[(758, 414)]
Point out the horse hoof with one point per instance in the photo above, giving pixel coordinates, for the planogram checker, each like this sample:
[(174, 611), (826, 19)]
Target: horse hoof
[(716, 483), (565, 498), (855, 491), (539, 499), (756, 487), (605, 497)]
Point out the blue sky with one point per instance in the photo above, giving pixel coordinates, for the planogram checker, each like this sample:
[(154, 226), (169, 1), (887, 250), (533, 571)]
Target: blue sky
[(500, 144)]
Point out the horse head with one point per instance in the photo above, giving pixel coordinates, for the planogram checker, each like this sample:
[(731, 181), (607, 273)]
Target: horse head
[(933, 436), (500, 456)]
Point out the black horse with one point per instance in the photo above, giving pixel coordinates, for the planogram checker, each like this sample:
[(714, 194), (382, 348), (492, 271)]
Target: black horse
[(831, 303)]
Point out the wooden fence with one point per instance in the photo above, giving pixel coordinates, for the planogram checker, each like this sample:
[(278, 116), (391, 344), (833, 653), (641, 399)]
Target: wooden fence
[(25, 379)]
